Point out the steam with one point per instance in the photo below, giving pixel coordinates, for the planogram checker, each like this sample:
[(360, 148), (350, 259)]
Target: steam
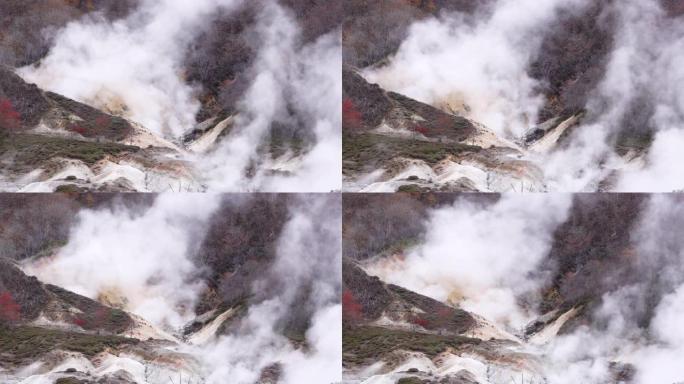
[(615, 335), (132, 66), (142, 262), (640, 48), (646, 42), (288, 75), (145, 259), (483, 257), (659, 51), (475, 66), (309, 255)]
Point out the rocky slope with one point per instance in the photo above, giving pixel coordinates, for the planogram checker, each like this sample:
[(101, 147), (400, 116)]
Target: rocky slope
[(577, 55), (51, 142), (50, 334), (394, 143), (393, 335)]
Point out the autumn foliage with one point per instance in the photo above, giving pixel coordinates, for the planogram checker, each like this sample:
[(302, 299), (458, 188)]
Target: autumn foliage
[(420, 322), (10, 311), (9, 117), (94, 319), (351, 117), (351, 309), (420, 129), (78, 128), (81, 322)]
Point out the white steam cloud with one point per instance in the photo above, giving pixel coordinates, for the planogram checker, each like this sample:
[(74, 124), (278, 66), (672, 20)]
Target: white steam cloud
[(640, 49), (476, 65), (146, 259), (482, 257), (309, 77), (309, 252), (143, 261), (488, 255), (658, 66), (585, 355), (133, 64), (134, 67)]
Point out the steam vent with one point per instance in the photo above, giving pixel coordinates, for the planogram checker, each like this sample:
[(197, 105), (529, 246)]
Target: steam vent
[(341, 191)]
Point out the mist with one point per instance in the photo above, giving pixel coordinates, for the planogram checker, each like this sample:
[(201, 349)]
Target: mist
[(638, 322), (476, 66), (141, 262), (482, 257), (288, 74), (131, 67), (145, 261), (308, 256), (135, 68)]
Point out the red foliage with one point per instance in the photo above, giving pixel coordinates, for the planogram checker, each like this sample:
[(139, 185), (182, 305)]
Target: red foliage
[(351, 309), (351, 117), (420, 129), (420, 321), (9, 117), (81, 322), (9, 309), (81, 130)]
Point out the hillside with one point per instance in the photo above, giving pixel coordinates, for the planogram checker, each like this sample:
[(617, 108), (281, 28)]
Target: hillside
[(81, 303), (488, 291), (555, 94), (168, 98)]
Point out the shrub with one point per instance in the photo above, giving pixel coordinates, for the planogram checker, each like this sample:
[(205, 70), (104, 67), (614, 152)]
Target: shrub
[(420, 129), (10, 311), (351, 309), (10, 119), (351, 117)]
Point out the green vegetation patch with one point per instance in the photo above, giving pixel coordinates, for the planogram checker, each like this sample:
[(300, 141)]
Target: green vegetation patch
[(410, 380), (413, 188), (364, 343), (32, 149), (18, 344), (69, 380), (368, 149)]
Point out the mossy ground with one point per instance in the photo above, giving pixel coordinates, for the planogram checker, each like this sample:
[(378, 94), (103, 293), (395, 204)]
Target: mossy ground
[(413, 188), (69, 380), (31, 150), (370, 150), (370, 343), (410, 380), (24, 343)]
